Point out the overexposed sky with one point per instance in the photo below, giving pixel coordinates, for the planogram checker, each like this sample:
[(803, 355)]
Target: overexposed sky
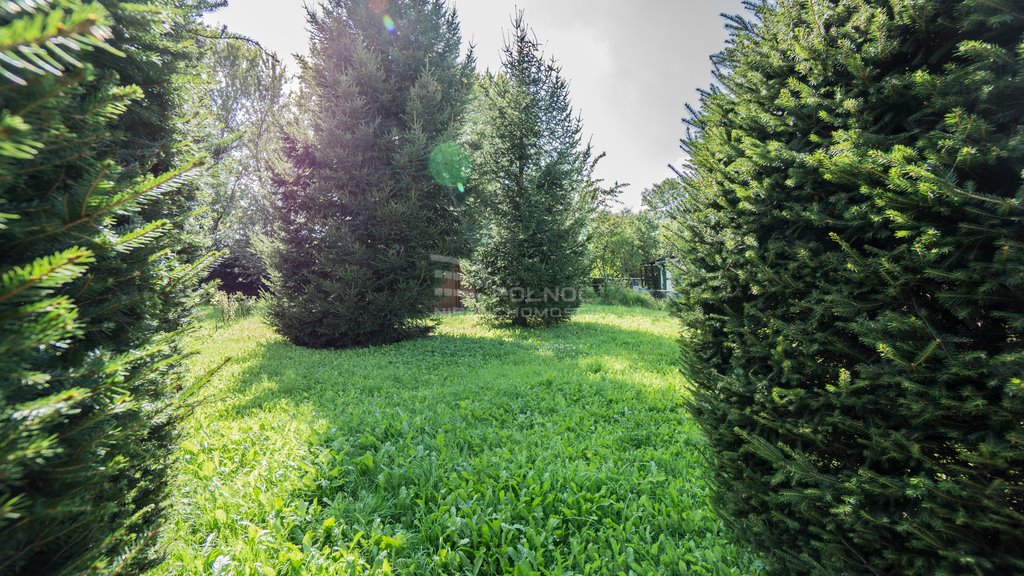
[(632, 64)]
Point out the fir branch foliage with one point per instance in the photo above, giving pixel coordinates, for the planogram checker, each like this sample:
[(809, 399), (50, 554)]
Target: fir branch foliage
[(95, 284), (23, 283), (39, 37), (851, 237)]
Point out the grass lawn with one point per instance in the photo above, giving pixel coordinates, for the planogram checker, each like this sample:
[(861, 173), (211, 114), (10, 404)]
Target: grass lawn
[(476, 451)]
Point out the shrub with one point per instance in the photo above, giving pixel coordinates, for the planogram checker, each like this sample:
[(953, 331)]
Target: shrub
[(231, 306), (91, 292), (359, 212), (852, 289)]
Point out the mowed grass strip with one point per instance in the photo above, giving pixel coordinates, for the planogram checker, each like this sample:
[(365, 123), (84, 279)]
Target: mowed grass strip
[(479, 450)]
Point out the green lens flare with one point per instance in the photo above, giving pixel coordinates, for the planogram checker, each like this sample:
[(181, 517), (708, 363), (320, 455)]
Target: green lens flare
[(450, 165)]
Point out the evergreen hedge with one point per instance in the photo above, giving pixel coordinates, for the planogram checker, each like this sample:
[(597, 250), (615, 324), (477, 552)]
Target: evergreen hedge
[(853, 284), (93, 290)]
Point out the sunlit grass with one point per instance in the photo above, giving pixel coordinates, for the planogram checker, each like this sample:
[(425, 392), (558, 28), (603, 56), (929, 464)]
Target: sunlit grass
[(479, 450)]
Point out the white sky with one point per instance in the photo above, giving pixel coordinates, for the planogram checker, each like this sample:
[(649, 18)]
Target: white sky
[(632, 64)]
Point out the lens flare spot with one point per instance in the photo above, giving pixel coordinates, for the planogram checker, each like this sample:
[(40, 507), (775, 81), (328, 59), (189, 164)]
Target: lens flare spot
[(389, 24), (379, 6), (451, 165)]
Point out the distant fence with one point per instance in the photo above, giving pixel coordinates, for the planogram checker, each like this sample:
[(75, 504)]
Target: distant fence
[(452, 293)]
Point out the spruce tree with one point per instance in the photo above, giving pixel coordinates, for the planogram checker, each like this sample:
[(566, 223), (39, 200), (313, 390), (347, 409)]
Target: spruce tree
[(535, 175), (358, 212), (162, 42), (852, 295), (92, 294)]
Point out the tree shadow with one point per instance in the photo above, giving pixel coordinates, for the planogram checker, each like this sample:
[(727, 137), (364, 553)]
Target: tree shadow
[(433, 438), (445, 362)]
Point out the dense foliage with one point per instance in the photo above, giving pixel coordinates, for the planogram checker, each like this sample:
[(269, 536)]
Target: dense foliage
[(661, 204), (613, 292), (854, 284), (236, 100), (93, 282), (358, 212), (620, 244), (538, 190)]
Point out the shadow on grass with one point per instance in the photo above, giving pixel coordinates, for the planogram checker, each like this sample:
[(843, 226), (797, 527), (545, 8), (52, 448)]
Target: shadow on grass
[(480, 446), (444, 363)]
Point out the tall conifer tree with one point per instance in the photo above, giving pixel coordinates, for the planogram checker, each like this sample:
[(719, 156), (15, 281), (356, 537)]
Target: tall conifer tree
[(535, 172), (358, 212), (853, 286)]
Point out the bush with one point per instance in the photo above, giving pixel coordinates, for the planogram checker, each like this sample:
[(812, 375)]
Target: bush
[(852, 289), (92, 293), (231, 306)]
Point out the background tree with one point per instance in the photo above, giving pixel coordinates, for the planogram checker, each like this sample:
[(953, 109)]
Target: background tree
[(537, 180), (660, 203), (93, 288), (853, 245), (621, 243), (358, 212), (236, 108)]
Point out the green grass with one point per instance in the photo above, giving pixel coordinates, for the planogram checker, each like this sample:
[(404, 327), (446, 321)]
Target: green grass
[(479, 450), (615, 294)]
